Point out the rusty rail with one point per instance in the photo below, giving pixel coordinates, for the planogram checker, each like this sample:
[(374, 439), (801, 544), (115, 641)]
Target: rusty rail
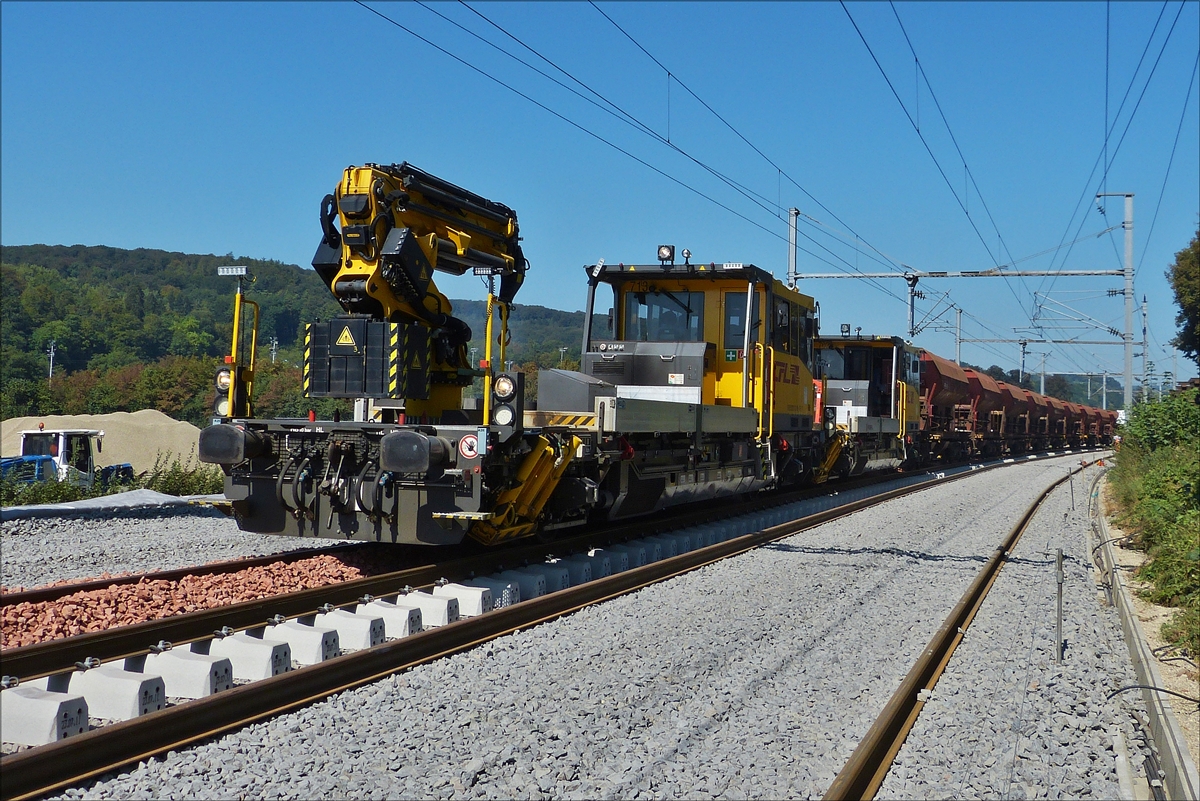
[(870, 762)]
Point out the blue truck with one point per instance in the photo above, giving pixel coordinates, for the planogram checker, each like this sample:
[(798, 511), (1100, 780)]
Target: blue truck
[(62, 455)]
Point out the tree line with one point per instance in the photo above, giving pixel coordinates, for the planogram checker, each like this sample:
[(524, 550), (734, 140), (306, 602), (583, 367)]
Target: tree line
[(137, 329)]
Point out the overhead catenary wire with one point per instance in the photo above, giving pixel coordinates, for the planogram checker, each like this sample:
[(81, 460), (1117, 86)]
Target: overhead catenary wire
[(599, 138), (929, 150), (618, 112), (1170, 161), (938, 105), (608, 106), (564, 118), (740, 135), (1102, 154), (750, 194), (834, 259), (912, 122), (1137, 105), (773, 164)]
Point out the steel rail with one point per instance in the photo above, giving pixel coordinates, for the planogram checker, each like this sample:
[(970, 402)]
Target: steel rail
[(868, 765), (53, 592), (36, 771), (54, 656)]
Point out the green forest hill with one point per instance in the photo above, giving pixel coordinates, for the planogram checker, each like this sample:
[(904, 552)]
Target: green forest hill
[(137, 329)]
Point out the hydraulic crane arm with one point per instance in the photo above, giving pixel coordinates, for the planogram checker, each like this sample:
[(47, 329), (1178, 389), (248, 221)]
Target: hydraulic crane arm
[(400, 224)]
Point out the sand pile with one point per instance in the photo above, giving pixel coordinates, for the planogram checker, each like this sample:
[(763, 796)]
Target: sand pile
[(134, 437)]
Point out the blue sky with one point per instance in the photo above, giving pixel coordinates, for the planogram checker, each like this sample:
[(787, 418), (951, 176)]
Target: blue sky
[(218, 127)]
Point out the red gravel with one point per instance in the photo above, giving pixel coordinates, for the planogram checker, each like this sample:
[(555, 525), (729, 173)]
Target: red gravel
[(123, 605), (62, 582)]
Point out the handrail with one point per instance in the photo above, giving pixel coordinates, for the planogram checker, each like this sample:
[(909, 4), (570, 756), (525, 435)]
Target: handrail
[(769, 388), (758, 390)]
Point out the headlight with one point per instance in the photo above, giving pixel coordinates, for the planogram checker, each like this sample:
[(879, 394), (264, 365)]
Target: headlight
[(504, 416), (504, 389), (221, 407), (666, 253), (224, 379)]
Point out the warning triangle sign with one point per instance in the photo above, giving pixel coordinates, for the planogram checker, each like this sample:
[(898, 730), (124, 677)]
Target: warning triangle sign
[(346, 338)]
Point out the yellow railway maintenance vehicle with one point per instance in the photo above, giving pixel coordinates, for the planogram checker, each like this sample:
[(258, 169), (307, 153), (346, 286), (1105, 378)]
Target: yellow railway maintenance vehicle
[(872, 396), (696, 382)]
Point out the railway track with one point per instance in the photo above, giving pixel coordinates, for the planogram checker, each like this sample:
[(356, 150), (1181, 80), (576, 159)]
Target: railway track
[(395, 566), (864, 772), (397, 558), (38, 770)]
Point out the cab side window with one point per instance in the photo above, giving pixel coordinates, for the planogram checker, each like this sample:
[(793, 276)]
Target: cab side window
[(781, 326), (735, 320)]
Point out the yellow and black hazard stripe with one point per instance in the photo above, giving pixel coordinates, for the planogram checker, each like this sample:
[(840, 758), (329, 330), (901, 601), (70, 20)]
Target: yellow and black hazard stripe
[(307, 381), (566, 420), (394, 356)]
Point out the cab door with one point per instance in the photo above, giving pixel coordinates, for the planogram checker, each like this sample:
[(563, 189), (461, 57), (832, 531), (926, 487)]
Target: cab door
[(731, 353), (78, 461)]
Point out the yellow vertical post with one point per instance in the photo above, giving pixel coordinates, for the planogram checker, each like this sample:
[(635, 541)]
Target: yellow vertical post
[(487, 357), (232, 359)]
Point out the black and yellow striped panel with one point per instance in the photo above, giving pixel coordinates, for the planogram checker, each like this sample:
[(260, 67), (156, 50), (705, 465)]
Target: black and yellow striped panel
[(559, 419), (307, 381), (395, 351)]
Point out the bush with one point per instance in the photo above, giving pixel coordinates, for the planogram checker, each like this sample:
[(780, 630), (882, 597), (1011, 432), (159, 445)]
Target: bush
[(1156, 484), (178, 478), (173, 478), (1175, 420), (17, 493)]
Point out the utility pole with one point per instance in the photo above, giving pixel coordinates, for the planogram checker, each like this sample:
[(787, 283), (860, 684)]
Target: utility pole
[(562, 354), (274, 348), (1128, 271), (1104, 394), (793, 214), (50, 350), (913, 294), (1042, 390), (1021, 375), (958, 336)]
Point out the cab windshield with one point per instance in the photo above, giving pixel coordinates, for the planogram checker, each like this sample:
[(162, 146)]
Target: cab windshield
[(38, 444), (663, 316)]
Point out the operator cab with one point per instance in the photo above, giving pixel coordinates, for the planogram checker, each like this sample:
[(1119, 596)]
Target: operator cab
[(709, 334), (871, 391), (70, 450)]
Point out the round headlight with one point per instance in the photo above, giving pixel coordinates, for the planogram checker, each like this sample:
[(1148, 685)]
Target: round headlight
[(221, 407), (504, 416), (666, 252), (504, 388), (224, 379)]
